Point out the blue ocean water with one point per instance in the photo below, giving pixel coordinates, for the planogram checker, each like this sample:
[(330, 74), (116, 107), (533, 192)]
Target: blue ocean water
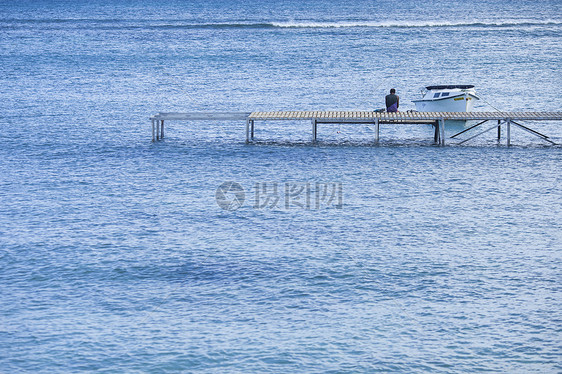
[(115, 255)]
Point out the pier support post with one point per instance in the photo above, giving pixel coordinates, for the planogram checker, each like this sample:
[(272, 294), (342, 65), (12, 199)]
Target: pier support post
[(442, 130), (499, 130), (153, 135), (508, 131), (314, 129), (377, 128), (436, 132), (247, 131), (252, 129), (162, 129)]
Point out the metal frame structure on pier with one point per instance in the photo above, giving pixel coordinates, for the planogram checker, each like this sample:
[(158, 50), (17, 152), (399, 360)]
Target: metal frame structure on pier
[(437, 119)]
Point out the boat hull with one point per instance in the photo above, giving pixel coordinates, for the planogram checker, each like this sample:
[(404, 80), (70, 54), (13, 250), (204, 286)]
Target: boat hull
[(460, 103)]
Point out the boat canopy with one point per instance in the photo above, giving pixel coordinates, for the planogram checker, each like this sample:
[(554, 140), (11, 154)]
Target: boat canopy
[(450, 87)]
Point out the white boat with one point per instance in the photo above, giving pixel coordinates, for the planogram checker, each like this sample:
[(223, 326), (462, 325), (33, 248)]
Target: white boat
[(452, 98)]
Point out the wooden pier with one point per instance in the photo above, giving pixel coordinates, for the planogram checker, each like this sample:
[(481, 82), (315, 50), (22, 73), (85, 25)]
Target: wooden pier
[(436, 119)]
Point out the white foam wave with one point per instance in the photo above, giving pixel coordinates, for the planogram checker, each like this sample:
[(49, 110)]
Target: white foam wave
[(410, 24)]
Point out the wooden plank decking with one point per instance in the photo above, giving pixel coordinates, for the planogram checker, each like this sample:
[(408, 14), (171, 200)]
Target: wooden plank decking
[(369, 116)]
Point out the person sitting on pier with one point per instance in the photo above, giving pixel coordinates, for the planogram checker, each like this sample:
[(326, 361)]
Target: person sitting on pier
[(392, 101)]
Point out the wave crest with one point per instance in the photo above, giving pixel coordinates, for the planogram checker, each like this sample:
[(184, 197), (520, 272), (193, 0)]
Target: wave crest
[(421, 24), (180, 24)]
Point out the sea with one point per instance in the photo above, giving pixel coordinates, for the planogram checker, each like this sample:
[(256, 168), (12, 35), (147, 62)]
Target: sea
[(200, 253)]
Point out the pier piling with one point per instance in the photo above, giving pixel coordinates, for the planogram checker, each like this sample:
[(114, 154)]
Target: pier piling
[(377, 128)]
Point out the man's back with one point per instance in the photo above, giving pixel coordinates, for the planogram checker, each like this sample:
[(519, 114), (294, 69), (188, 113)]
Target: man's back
[(392, 101)]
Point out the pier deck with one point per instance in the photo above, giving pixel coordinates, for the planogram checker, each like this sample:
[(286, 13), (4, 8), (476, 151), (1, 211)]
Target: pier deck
[(437, 119)]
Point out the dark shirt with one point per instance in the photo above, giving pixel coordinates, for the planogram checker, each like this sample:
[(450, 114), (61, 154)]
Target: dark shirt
[(392, 99)]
